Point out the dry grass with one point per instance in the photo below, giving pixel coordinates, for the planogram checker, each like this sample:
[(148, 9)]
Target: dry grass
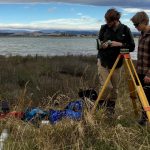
[(43, 82)]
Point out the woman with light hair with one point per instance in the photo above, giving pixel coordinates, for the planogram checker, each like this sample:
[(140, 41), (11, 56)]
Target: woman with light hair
[(141, 22)]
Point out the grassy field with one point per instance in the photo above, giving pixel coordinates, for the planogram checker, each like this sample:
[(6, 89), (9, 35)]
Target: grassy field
[(40, 81)]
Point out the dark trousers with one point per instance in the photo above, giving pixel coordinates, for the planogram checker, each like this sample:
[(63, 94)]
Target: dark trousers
[(145, 86)]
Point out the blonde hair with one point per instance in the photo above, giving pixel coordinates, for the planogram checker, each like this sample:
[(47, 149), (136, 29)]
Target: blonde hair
[(141, 18)]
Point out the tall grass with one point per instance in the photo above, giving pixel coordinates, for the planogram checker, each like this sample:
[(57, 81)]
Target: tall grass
[(46, 76), (43, 81)]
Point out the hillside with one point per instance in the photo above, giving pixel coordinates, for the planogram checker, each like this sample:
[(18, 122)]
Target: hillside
[(41, 33)]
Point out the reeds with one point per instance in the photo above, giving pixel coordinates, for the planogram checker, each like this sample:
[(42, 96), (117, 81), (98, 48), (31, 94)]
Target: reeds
[(51, 82)]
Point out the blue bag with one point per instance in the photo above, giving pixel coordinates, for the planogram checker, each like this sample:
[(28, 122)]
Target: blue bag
[(73, 111), (30, 113), (55, 115)]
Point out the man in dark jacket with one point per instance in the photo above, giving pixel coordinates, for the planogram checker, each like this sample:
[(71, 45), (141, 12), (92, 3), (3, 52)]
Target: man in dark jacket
[(113, 36)]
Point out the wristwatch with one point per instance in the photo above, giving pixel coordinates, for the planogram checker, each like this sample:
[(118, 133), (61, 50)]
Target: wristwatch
[(109, 43)]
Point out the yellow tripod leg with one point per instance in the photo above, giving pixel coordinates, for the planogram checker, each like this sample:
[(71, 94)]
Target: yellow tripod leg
[(133, 96), (132, 91), (139, 88), (105, 84), (143, 98)]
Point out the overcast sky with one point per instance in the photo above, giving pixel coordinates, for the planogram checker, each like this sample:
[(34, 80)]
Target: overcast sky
[(65, 14), (124, 3)]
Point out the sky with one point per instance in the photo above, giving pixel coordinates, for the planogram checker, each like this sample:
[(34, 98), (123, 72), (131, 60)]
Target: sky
[(65, 14)]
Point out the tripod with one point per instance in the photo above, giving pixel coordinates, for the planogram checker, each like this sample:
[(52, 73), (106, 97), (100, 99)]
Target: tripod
[(134, 84)]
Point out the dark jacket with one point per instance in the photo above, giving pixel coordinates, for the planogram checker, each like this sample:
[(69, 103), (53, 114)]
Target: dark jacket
[(109, 55)]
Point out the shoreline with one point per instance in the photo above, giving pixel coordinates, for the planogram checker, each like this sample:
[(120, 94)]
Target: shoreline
[(52, 56), (54, 46)]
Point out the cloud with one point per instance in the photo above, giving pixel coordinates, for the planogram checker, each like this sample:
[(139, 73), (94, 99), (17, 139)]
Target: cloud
[(122, 3), (51, 10), (79, 14), (131, 11), (134, 10), (82, 23)]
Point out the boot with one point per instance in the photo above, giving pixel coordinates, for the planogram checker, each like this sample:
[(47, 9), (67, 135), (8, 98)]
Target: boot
[(110, 109), (101, 103), (143, 119)]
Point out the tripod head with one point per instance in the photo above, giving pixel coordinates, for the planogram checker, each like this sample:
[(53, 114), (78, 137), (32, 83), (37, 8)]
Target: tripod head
[(124, 51)]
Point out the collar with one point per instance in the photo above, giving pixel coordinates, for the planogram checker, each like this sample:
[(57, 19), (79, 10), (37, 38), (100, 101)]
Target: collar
[(146, 32), (116, 28)]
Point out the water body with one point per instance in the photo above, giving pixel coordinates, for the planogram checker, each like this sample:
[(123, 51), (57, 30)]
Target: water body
[(49, 46)]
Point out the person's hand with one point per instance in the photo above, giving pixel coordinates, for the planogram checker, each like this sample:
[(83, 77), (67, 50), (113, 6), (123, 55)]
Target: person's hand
[(116, 44), (104, 45), (147, 79)]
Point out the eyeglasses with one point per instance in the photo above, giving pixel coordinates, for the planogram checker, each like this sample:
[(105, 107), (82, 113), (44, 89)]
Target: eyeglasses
[(136, 24)]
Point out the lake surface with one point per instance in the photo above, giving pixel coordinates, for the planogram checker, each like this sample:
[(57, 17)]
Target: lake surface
[(49, 46)]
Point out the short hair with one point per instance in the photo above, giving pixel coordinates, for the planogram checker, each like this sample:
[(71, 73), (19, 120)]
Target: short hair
[(112, 14), (141, 18)]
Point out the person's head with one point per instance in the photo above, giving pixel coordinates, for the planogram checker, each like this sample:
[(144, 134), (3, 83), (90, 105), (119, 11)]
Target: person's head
[(112, 17), (140, 20)]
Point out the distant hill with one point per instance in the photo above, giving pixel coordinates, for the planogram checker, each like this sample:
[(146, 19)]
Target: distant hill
[(136, 34), (38, 33)]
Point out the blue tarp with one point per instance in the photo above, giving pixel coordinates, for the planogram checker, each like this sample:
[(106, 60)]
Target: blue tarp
[(32, 113), (72, 111)]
